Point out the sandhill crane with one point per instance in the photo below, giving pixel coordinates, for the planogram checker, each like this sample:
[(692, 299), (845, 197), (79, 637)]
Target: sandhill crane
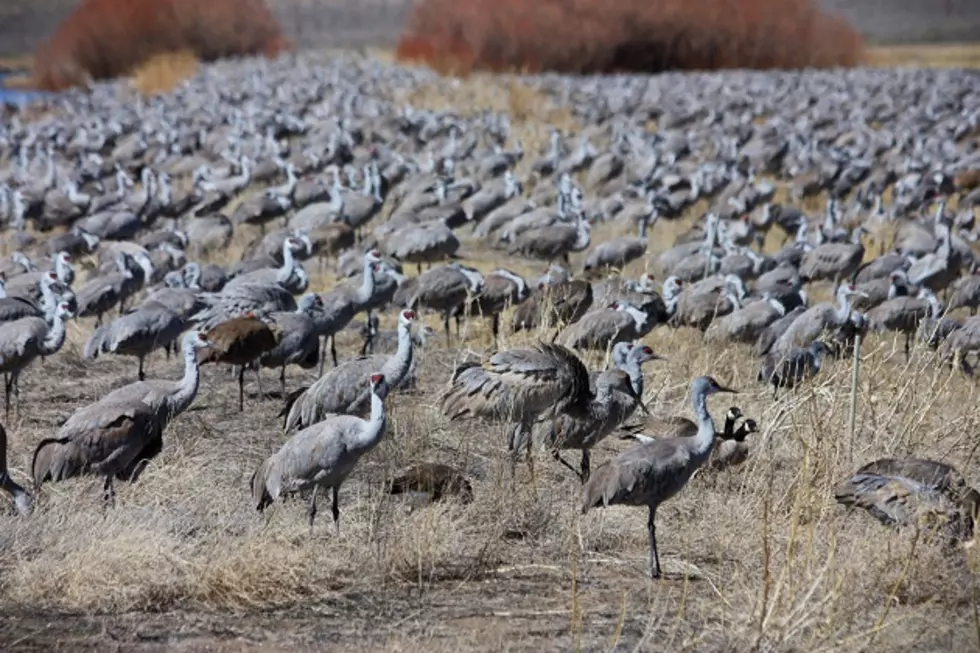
[(300, 342), (787, 369), (100, 294), (554, 242), (501, 289), (562, 303), (965, 293), (290, 275), (700, 303), (618, 393), (747, 323), (881, 290), (29, 285), (938, 269), (341, 304), (241, 341), (904, 314), (20, 496), (815, 320), (23, 340), (834, 261), (435, 480), (422, 243), (139, 333), (598, 329), (14, 308), (517, 386), (240, 300), (344, 389), (491, 197), (444, 289), (322, 455), (180, 292), (913, 492), (650, 473)]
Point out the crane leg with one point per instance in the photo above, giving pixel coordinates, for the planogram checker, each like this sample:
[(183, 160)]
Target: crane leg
[(586, 466), (311, 512), (323, 354), (241, 389), (445, 324), (557, 456), (282, 383), (459, 318), (109, 492), (495, 327), (7, 387), (654, 557), (908, 344), (142, 376), (333, 349), (419, 266), (335, 511)]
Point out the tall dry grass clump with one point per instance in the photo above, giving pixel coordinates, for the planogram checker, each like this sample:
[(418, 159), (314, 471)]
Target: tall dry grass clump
[(596, 36), (108, 38)]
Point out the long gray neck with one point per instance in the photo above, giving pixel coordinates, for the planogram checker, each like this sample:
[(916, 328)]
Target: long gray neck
[(374, 428), (705, 439), (366, 291), (396, 367), (635, 371), (288, 263), (186, 389), (55, 337), (843, 308)]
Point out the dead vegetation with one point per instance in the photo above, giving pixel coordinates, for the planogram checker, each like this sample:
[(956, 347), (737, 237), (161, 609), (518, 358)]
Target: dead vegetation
[(595, 36), (109, 38), (757, 559)]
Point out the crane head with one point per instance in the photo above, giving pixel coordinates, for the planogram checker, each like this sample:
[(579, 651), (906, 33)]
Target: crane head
[(373, 256), (406, 317), (644, 354), (712, 386), (64, 311)]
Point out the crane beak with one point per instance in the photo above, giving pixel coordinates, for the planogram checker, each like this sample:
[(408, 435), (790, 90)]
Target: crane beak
[(722, 388)]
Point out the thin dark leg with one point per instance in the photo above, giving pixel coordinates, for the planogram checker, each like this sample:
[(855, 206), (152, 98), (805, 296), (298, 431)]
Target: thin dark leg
[(6, 395), (908, 344), (419, 266), (323, 354), (282, 382), (459, 318), (445, 325), (335, 510), (333, 349), (557, 456), (109, 492), (586, 466), (241, 389), (654, 557), (495, 327), (142, 376), (311, 513)]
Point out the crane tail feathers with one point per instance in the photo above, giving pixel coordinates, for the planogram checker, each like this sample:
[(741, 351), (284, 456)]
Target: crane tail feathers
[(260, 492), (52, 461)]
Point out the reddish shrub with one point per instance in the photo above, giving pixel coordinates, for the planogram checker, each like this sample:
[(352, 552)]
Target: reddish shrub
[(109, 38), (588, 36)]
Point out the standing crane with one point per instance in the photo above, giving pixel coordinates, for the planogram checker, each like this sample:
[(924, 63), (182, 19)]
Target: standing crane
[(241, 341), (650, 473), (24, 340), (787, 369), (518, 386), (344, 390), (149, 327), (299, 343), (341, 304), (322, 455)]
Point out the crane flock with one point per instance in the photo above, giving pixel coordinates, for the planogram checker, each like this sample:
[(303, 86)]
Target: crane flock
[(346, 201)]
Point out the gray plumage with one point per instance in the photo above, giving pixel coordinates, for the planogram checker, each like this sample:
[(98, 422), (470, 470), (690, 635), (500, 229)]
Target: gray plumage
[(618, 252), (151, 326), (772, 333), (100, 294), (787, 369), (290, 275), (965, 293), (815, 320), (904, 314), (552, 242), (236, 301), (444, 289), (20, 496), (913, 492), (24, 340), (598, 329), (341, 304), (422, 243), (745, 324), (834, 261), (299, 343), (650, 473), (344, 389), (321, 455)]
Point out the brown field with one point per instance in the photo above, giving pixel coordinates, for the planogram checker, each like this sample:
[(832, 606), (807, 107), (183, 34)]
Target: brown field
[(758, 559)]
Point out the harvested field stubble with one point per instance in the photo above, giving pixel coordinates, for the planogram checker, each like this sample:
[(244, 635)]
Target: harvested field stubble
[(589, 36), (109, 38)]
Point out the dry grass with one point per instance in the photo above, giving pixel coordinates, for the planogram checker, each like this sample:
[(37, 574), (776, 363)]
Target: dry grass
[(162, 73), (944, 55), (758, 559)]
